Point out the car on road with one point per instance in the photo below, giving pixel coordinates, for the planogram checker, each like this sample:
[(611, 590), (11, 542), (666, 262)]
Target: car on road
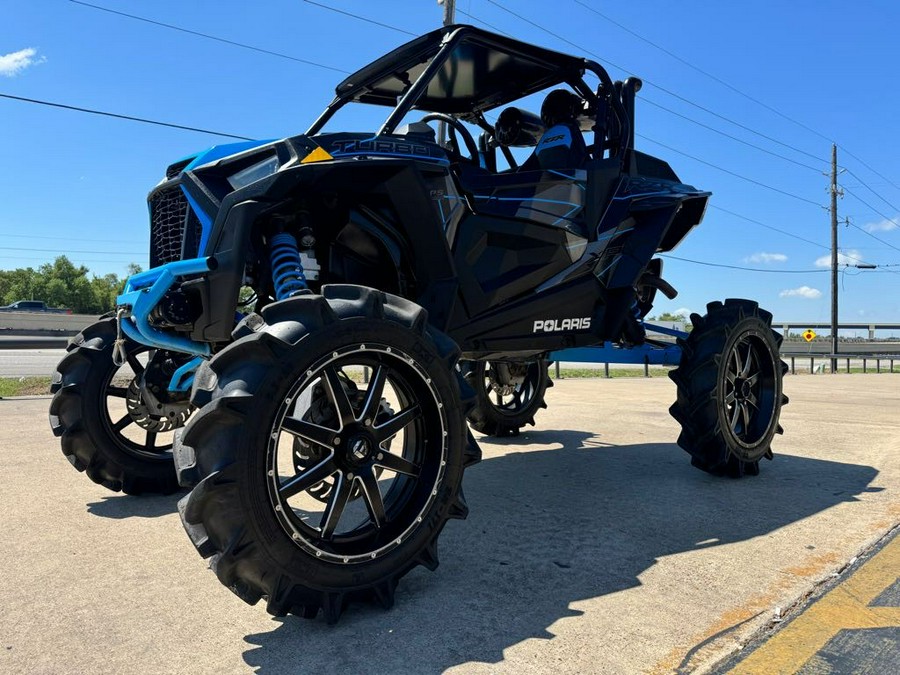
[(33, 306)]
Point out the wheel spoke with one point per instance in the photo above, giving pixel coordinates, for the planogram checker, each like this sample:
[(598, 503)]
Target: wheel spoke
[(339, 396), (398, 464), (332, 516), (309, 431), (374, 393), (397, 423), (151, 440), (752, 400), (745, 413), (749, 362), (122, 423), (753, 379), (372, 496), (736, 356), (308, 478), (729, 398), (735, 417), (118, 392)]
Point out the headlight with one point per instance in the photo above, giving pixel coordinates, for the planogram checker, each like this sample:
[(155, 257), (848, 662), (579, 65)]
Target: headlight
[(254, 172)]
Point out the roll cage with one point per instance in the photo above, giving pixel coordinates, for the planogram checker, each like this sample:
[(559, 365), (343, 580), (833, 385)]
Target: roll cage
[(465, 71)]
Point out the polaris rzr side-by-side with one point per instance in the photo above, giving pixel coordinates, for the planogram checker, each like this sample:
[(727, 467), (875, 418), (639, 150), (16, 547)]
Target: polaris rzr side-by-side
[(324, 314)]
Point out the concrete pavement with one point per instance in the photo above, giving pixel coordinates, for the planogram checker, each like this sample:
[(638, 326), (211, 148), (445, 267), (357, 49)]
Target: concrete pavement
[(592, 546)]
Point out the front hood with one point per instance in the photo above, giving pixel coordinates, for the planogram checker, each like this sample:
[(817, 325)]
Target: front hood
[(245, 171)]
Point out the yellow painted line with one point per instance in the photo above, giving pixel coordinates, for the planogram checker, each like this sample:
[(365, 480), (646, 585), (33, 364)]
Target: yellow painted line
[(844, 607)]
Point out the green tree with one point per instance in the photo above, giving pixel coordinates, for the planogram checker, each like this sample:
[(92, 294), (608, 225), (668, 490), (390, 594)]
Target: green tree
[(668, 316)]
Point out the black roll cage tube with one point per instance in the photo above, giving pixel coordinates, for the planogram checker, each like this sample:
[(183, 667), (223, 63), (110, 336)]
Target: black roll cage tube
[(621, 97)]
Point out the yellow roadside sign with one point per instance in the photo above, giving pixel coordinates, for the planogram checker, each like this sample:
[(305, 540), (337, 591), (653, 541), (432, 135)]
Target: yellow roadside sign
[(809, 335)]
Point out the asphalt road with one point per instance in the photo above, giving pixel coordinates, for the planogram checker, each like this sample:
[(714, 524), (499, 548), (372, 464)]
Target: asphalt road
[(592, 546)]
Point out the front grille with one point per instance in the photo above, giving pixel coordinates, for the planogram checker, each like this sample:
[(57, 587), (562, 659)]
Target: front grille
[(170, 217)]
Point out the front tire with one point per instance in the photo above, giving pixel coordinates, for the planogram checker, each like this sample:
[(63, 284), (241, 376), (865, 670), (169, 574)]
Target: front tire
[(110, 426), (377, 481), (729, 388)]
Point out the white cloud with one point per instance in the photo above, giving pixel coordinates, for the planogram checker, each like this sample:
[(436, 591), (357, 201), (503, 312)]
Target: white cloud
[(683, 311), (802, 292), (766, 258), (883, 225), (850, 257), (15, 62)]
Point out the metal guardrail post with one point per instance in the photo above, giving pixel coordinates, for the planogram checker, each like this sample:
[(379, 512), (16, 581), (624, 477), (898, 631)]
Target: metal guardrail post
[(812, 365), (365, 374), (878, 366), (848, 366), (793, 367), (606, 370), (864, 366), (556, 368)]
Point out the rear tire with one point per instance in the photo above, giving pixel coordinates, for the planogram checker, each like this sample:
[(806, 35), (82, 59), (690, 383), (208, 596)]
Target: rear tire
[(277, 528), (729, 388), (506, 399), (92, 440)]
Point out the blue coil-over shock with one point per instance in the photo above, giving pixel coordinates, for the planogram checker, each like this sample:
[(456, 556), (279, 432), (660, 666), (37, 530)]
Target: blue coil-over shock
[(287, 270)]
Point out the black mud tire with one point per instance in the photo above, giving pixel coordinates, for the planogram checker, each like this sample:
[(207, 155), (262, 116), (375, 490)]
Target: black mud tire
[(79, 417), (729, 388), (234, 515), (508, 417)]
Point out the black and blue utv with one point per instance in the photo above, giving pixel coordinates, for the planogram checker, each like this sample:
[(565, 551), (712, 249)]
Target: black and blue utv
[(323, 314)]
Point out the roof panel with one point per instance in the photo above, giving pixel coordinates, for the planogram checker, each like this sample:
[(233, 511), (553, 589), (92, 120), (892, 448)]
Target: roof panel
[(483, 71)]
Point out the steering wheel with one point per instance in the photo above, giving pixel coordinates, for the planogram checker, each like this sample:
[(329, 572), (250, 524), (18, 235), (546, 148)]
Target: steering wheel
[(456, 126)]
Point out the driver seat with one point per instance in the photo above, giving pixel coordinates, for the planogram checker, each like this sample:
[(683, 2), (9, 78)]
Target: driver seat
[(562, 145)]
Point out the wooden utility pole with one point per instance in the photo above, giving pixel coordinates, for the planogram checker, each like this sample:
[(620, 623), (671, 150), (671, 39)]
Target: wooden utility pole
[(449, 11), (449, 20), (834, 260)]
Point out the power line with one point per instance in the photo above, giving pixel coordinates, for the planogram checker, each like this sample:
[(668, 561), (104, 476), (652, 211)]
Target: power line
[(124, 117), (865, 185), (658, 86), (361, 18), (732, 173), (53, 250), (475, 18), (78, 259), (207, 36), (791, 234), (702, 71), (727, 135), (736, 267), (877, 173), (61, 238), (770, 227), (734, 89)]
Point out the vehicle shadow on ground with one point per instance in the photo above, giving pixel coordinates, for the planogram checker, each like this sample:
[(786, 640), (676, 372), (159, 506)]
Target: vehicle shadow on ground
[(121, 506), (548, 528)]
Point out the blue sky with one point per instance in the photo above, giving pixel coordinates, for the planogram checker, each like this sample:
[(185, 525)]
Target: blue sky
[(76, 184)]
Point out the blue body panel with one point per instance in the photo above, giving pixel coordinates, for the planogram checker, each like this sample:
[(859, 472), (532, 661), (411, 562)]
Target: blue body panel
[(205, 157), (142, 294), (612, 353)]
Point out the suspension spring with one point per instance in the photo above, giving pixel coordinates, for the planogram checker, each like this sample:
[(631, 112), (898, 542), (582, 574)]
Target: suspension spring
[(287, 270)]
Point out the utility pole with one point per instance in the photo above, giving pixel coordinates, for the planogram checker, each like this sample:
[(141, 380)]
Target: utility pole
[(834, 260), (449, 11), (449, 20)]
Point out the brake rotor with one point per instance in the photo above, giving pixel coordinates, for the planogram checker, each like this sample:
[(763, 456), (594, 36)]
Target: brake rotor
[(151, 414), (321, 412)]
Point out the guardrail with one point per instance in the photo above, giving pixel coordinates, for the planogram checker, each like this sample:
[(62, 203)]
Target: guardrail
[(826, 359)]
